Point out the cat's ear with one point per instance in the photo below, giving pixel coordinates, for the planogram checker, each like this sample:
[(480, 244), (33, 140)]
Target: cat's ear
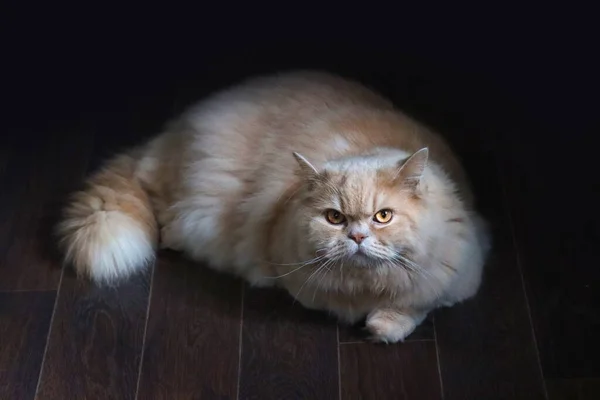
[(307, 170), (411, 170)]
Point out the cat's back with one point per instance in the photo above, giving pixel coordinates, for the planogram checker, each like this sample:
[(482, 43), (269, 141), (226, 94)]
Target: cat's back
[(255, 126), (262, 121), (280, 106)]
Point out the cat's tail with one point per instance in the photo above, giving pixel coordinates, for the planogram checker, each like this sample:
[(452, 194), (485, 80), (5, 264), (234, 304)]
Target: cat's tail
[(109, 229)]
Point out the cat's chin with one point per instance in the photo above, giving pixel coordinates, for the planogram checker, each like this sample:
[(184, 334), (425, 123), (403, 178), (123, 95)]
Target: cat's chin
[(362, 260)]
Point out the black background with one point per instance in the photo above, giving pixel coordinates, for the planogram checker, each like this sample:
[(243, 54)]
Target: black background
[(529, 67)]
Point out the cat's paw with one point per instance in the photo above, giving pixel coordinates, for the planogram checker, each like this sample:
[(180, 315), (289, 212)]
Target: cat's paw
[(389, 326)]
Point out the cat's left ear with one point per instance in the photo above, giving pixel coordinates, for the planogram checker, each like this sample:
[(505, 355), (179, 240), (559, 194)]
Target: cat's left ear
[(411, 170), (307, 170)]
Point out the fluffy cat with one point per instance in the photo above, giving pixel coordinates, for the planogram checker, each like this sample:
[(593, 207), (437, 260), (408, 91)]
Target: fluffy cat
[(302, 180)]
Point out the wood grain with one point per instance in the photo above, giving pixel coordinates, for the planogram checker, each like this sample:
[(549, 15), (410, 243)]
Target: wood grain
[(24, 323), (573, 389), (563, 390), (288, 352), (401, 372), (95, 344), (486, 345), (192, 341), (557, 233)]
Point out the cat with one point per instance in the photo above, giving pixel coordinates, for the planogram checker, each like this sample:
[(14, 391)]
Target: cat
[(302, 180)]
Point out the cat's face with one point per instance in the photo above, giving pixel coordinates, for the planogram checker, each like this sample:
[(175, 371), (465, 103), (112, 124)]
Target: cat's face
[(364, 211)]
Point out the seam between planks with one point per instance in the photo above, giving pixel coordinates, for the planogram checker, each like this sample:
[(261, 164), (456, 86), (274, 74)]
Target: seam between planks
[(30, 290), (408, 341), (139, 377), (437, 356), (239, 375), (49, 334), (339, 361)]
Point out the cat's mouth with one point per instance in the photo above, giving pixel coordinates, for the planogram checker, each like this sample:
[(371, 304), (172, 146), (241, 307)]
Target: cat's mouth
[(363, 256), (360, 256)]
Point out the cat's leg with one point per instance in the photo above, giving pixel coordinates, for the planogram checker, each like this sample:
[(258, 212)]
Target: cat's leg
[(391, 325)]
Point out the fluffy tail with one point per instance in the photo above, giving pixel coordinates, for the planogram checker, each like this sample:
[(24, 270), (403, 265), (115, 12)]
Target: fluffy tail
[(109, 230)]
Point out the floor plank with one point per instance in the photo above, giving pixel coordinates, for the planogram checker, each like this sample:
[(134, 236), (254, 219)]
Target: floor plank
[(95, 342), (486, 345), (192, 340), (558, 233), (401, 372), (563, 390), (37, 179), (288, 352), (24, 322), (574, 389)]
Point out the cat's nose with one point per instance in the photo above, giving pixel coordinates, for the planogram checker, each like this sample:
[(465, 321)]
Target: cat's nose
[(357, 237)]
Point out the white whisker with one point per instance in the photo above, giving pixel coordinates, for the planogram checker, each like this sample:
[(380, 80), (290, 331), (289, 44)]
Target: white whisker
[(294, 270)]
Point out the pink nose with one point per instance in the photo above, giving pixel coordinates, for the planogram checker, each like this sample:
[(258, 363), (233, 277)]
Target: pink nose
[(357, 237)]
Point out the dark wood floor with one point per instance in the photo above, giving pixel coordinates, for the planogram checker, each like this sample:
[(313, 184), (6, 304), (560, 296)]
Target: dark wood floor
[(181, 331)]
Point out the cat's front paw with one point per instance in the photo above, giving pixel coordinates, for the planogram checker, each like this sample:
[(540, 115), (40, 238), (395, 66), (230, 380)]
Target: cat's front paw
[(390, 326)]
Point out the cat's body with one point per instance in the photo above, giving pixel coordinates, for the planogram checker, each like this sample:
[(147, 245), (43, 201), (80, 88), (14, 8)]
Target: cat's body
[(223, 185)]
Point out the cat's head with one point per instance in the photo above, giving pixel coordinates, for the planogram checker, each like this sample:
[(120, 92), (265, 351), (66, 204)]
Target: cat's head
[(364, 210)]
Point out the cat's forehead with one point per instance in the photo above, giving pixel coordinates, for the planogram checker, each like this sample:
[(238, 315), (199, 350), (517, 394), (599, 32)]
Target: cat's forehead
[(360, 184), (354, 179), (361, 173), (356, 192)]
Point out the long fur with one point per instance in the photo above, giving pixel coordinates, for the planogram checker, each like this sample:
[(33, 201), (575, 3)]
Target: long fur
[(244, 181), (109, 230)]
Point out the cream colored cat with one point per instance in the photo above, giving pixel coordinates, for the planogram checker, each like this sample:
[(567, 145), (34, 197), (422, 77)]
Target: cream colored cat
[(302, 180)]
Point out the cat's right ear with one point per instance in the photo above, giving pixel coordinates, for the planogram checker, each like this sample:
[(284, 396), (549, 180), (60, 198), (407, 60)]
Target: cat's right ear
[(307, 170)]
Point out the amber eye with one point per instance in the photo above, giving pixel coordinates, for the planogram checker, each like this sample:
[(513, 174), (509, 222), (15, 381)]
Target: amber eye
[(335, 217), (383, 216)]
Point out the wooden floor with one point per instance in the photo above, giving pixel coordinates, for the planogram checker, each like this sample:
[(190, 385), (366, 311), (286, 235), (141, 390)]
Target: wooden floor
[(181, 331)]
